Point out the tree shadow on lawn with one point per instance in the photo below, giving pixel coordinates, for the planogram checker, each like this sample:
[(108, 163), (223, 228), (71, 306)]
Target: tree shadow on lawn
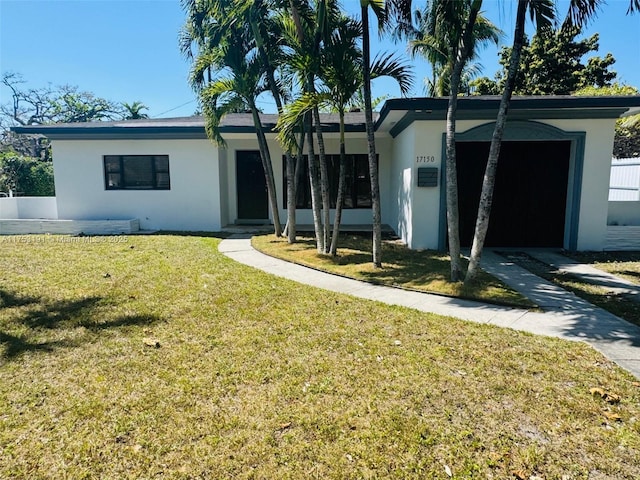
[(39, 316), (400, 266)]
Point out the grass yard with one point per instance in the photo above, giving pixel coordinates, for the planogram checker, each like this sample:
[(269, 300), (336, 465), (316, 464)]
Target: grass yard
[(424, 270), (617, 303), (157, 357), (623, 264)]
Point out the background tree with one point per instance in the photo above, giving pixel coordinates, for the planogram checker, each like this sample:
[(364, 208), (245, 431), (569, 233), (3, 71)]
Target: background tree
[(552, 64), (40, 106), (26, 162), (430, 36), (626, 143), (133, 111), (25, 176)]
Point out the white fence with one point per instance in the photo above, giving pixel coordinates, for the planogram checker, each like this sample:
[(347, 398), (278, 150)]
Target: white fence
[(37, 215), (624, 184), (68, 227), (13, 208), (623, 219)]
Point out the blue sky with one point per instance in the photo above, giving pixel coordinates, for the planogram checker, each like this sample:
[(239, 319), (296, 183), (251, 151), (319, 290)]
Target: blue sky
[(127, 50)]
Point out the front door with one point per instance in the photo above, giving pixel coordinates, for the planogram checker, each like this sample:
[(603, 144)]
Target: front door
[(253, 203)]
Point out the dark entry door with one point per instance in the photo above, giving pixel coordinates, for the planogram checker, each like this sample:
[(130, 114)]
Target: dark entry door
[(253, 203), (530, 196)]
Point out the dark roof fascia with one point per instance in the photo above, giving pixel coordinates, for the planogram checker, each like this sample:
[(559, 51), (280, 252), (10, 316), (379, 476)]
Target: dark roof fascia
[(326, 128), (471, 108), (113, 133), (146, 132), (548, 114)]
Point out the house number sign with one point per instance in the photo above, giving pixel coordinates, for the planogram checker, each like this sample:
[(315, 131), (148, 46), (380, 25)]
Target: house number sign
[(425, 159)]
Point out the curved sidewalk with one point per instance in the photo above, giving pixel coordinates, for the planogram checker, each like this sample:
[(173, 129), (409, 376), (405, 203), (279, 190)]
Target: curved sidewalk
[(565, 316)]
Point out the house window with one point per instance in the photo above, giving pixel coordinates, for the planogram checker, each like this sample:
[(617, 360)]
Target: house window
[(357, 184), (136, 172)]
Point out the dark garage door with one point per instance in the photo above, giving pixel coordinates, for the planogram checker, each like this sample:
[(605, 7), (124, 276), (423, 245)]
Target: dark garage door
[(529, 202)]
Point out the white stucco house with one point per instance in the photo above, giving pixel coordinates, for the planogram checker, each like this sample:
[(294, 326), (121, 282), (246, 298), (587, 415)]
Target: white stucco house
[(552, 186)]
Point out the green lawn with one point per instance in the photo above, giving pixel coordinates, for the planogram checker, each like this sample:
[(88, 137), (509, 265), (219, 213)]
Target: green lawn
[(259, 377), (423, 270)]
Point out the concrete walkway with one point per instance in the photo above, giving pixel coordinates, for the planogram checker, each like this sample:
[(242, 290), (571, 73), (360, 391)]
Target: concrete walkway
[(565, 315), (588, 273)]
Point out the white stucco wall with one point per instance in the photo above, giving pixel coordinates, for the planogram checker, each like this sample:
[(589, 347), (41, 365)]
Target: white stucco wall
[(426, 200), (28, 207), (401, 184), (203, 193), (193, 202), (416, 210)]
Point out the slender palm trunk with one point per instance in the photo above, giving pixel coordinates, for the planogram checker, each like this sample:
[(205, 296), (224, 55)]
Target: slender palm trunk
[(293, 182), (453, 215), (268, 171), (300, 159), (486, 196), (290, 168), (291, 198), (371, 143), (341, 187), (316, 198), (290, 228), (324, 182)]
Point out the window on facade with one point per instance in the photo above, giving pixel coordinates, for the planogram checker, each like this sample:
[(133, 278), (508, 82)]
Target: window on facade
[(357, 185), (136, 172)]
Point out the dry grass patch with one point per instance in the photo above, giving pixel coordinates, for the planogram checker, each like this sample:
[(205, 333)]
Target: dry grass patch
[(259, 377), (619, 304), (623, 264), (423, 270)]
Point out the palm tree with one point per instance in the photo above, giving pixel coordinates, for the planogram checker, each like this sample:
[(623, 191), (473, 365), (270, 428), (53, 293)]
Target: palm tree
[(542, 12), (384, 11), (378, 8), (447, 35), (307, 30), (341, 76), (267, 34), (298, 29), (225, 45), (133, 111), (432, 35)]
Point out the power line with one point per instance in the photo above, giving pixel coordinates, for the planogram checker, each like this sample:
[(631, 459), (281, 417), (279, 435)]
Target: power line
[(174, 108)]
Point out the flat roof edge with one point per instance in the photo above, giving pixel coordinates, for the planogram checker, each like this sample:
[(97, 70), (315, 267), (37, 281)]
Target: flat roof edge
[(491, 104)]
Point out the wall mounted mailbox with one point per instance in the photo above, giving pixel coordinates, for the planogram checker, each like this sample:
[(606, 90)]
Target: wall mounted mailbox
[(427, 177)]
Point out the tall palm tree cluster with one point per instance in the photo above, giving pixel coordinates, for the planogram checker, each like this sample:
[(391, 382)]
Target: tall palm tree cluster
[(310, 57)]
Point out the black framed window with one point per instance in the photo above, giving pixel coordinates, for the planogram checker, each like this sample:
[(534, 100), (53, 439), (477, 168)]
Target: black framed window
[(136, 172), (357, 184)]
